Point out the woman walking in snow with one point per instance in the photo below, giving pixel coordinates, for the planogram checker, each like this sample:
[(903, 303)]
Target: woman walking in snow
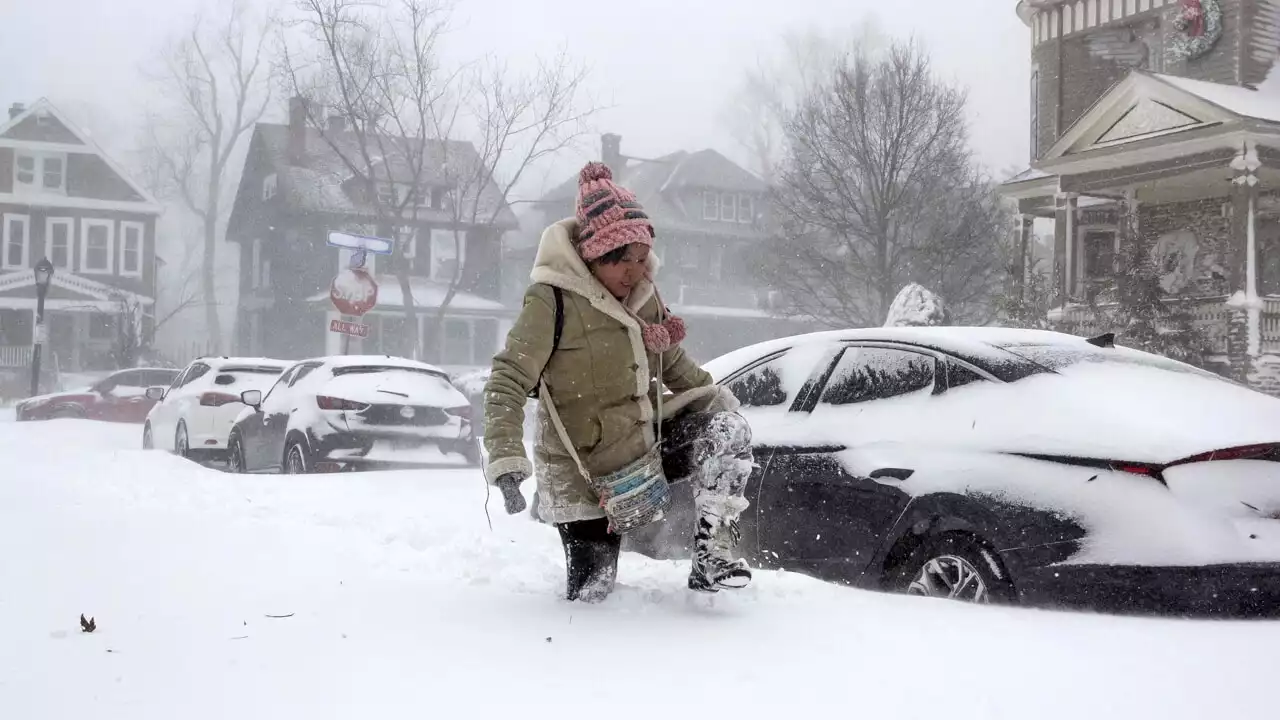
[(595, 342)]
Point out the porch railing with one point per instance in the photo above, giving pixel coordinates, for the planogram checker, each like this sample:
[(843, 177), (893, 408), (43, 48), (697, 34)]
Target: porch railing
[(15, 356), (1209, 314)]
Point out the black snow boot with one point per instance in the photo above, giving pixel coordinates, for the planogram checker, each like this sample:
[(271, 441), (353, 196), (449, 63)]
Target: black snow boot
[(714, 567), (591, 559)]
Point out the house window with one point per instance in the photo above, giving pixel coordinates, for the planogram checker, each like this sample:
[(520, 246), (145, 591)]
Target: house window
[(96, 243), (269, 186), (17, 241), (57, 233), (457, 342), (36, 171), (102, 326), (710, 205), (437, 198), (131, 239), (1035, 114), (746, 210), (387, 195), (728, 208), (1099, 250), (447, 254)]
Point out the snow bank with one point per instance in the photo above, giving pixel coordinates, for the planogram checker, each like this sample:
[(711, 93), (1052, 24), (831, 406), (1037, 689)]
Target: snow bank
[(399, 602)]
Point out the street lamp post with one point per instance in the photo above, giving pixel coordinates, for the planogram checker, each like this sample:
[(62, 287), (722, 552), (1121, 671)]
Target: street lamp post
[(44, 275)]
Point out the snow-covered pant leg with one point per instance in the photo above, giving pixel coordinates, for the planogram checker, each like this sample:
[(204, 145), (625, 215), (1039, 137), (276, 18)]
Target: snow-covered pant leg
[(591, 559), (713, 450)]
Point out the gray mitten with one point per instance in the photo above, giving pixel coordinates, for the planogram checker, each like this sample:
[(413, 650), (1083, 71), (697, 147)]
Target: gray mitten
[(509, 484)]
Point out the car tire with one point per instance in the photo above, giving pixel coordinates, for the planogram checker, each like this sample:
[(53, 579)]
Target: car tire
[(957, 566), (296, 460), (148, 442), (182, 441), (235, 456)]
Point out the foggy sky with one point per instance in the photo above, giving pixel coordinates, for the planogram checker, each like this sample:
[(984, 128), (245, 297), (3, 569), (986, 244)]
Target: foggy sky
[(666, 67)]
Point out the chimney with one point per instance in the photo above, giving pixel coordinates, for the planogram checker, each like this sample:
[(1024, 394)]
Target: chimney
[(297, 129), (16, 109), (337, 124), (611, 152)]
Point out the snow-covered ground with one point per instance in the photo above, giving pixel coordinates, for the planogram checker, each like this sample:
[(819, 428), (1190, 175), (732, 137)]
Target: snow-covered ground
[(400, 602)]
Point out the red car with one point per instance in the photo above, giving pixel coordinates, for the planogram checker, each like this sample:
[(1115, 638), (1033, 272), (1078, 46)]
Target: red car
[(119, 397)]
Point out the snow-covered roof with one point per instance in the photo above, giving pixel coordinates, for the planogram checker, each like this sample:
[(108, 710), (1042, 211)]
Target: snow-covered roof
[(320, 183), (426, 294), (1028, 175), (1239, 100)]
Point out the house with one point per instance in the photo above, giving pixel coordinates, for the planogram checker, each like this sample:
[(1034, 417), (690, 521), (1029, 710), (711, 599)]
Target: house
[(708, 214), (296, 189), (1149, 134), (63, 198)]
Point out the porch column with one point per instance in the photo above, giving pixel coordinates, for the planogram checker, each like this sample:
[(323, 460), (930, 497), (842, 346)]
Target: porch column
[(79, 336), (1064, 229), (1244, 329), (1024, 228)]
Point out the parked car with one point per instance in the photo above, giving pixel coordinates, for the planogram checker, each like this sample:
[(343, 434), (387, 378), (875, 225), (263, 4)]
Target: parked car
[(193, 416), (119, 397), (351, 412), (1009, 466)]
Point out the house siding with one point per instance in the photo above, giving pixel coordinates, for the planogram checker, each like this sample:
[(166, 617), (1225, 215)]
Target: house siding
[(1221, 64), (51, 131), (39, 243)]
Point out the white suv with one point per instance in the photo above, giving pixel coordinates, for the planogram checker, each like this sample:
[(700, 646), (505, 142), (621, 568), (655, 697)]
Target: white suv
[(193, 417)]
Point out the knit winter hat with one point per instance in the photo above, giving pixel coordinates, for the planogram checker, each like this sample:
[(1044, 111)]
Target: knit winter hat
[(608, 215)]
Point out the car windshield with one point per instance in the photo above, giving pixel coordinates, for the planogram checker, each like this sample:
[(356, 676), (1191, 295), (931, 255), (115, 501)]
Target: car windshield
[(1060, 357)]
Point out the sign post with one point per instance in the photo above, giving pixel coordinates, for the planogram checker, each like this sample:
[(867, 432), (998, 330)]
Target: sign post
[(354, 291)]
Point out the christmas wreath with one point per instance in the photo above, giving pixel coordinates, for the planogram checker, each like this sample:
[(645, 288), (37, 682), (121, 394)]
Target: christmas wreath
[(1199, 25)]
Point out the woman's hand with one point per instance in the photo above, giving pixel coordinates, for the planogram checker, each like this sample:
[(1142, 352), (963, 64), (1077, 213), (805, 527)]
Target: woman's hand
[(509, 484)]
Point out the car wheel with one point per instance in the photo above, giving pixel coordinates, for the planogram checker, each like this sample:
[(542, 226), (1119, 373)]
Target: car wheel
[(148, 443), (235, 456), (956, 566), (181, 442), (295, 460)]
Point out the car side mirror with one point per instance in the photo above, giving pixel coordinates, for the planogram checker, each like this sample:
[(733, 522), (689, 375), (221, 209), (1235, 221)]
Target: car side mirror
[(252, 398), (155, 393)]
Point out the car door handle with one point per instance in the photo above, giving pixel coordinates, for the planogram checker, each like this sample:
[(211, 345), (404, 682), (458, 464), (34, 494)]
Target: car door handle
[(889, 473)]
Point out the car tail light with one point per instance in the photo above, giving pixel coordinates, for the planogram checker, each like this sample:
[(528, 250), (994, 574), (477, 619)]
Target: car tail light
[(462, 411), (332, 403), (1137, 469), (217, 399), (1261, 451)]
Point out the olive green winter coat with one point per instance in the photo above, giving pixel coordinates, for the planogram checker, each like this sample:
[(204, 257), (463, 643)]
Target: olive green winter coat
[(599, 378)]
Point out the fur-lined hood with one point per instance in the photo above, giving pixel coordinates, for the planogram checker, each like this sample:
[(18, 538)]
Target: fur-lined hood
[(558, 263)]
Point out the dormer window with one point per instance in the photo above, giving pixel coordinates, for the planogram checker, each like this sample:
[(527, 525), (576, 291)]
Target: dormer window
[(710, 205), (39, 172), (746, 210)]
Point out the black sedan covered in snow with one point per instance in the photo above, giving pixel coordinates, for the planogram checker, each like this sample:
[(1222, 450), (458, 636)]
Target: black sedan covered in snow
[(353, 412), (1012, 466)]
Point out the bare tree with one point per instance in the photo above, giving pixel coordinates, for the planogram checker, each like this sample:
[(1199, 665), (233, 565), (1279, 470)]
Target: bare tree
[(769, 93), (215, 85), (423, 142), (878, 189)]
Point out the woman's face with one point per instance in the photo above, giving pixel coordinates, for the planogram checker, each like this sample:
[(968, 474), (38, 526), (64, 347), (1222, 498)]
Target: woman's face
[(621, 276)]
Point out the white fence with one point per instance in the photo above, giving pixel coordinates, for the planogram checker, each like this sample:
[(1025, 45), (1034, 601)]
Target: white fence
[(15, 356)]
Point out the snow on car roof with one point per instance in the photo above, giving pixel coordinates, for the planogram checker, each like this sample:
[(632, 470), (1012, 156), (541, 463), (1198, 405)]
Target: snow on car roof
[(964, 340), (339, 361), (223, 363)]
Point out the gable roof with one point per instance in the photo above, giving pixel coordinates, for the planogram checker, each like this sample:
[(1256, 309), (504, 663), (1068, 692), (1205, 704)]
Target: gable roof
[(1163, 117), (9, 136), (321, 184), (658, 184)]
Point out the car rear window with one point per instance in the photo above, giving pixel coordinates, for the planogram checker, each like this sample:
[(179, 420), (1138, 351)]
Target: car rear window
[(366, 369), (1060, 357), (239, 375)]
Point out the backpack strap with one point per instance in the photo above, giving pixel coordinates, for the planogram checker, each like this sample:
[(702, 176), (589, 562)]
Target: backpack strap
[(555, 338)]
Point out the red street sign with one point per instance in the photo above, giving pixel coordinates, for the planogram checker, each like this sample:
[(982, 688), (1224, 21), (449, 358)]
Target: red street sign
[(354, 292), (343, 327)]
